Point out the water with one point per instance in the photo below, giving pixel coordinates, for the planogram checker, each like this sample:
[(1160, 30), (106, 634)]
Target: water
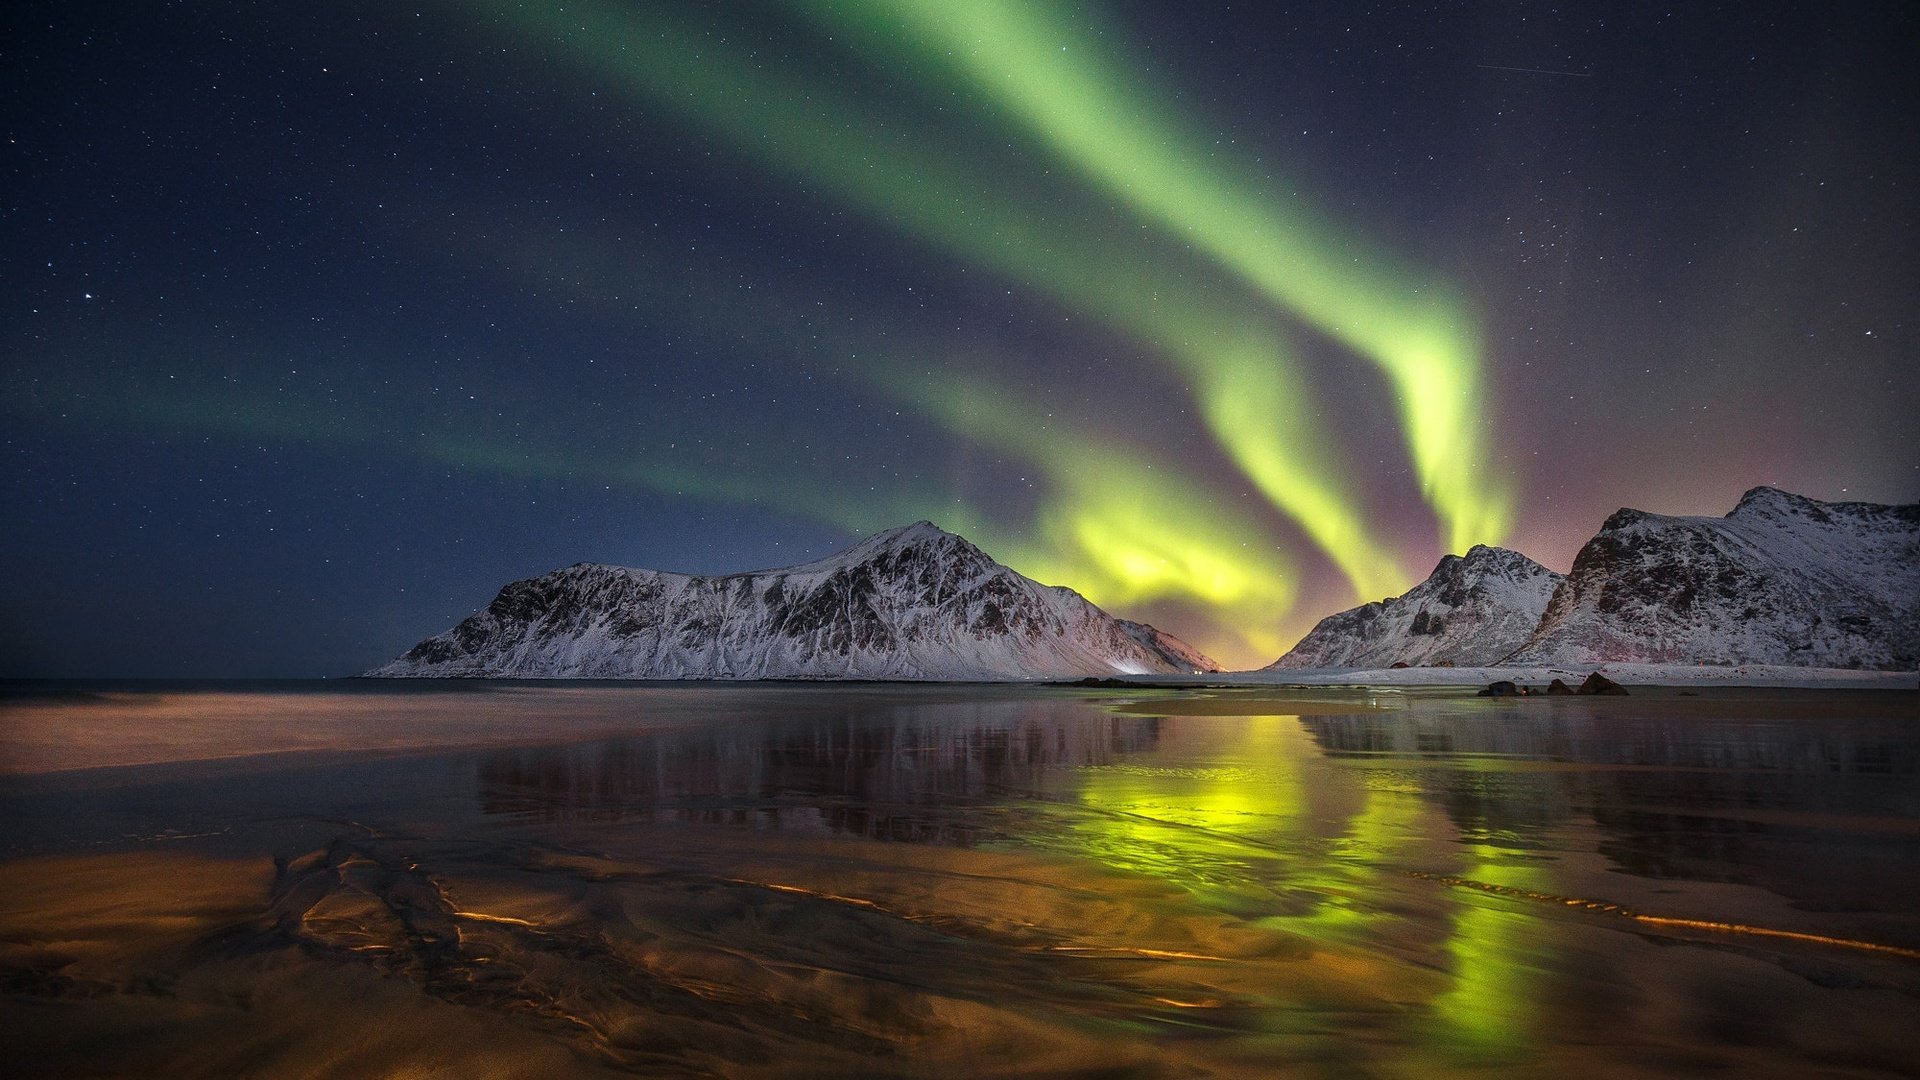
[(772, 881)]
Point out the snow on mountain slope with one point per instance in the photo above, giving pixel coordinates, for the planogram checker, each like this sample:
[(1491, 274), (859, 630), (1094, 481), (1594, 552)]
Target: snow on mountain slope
[(1782, 579), (1182, 657), (911, 603), (1473, 609)]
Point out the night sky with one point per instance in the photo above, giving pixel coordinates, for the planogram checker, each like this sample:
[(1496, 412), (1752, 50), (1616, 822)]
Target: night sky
[(321, 322)]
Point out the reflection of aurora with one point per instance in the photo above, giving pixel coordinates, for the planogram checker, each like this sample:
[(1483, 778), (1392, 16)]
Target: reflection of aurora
[(1215, 883), (1309, 852), (1243, 816)]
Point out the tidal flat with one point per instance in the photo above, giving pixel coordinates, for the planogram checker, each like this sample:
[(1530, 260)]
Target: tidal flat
[(536, 880)]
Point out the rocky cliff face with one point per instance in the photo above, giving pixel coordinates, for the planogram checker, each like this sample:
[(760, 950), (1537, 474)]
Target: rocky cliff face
[(1782, 579), (912, 603), (1472, 610)]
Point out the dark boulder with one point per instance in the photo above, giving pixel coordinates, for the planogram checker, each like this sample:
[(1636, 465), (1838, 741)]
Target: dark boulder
[(1558, 688), (1599, 684), (1503, 688)]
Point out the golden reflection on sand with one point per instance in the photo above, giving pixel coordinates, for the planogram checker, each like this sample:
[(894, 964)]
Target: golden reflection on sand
[(109, 728), (1608, 907), (1216, 895), (844, 962), (150, 964), (114, 728), (751, 955)]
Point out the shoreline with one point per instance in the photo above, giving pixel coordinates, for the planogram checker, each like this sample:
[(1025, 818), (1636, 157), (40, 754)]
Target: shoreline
[(1675, 676), (74, 732)]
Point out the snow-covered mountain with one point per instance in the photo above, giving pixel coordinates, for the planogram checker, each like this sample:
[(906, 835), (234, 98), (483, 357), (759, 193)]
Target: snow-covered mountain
[(1185, 658), (1472, 610), (912, 603), (1783, 579)]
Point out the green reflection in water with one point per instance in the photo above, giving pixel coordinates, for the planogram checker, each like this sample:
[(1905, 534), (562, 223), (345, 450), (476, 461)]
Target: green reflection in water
[(1322, 854), (1490, 1006), (1201, 825), (1288, 845)]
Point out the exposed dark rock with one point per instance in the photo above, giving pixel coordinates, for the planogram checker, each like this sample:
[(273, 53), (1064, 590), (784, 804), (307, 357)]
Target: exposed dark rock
[(1597, 683), (911, 603), (1559, 688), (1473, 609), (1782, 579)]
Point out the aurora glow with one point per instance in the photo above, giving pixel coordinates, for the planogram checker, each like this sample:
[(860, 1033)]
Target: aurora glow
[(1244, 379), (1122, 529), (1065, 88), (1122, 526), (369, 308)]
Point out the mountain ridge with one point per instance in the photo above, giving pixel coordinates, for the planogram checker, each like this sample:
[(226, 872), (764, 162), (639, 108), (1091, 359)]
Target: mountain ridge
[(913, 602), (1780, 579), (1472, 609)]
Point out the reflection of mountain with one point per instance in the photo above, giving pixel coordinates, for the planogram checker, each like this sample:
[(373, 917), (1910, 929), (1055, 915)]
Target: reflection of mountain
[(1555, 731), (919, 778), (1698, 797)]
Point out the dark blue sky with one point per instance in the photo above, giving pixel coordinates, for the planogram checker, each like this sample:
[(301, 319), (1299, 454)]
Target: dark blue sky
[(322, 323)]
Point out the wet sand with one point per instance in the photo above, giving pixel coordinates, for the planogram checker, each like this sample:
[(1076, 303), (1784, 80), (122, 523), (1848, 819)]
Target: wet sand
[(985, 882)]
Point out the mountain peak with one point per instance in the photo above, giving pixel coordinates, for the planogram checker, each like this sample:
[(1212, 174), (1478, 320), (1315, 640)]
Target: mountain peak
[(908, 534), (1781, 579), (922, 541), (915, 602), (1472, 609), (1482, 555), (1765, 499)]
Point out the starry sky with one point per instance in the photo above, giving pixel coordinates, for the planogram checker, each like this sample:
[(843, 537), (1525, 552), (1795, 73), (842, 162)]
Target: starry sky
[(321, 322)]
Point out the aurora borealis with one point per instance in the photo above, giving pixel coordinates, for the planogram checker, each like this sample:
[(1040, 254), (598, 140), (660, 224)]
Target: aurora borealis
[(324, 323)]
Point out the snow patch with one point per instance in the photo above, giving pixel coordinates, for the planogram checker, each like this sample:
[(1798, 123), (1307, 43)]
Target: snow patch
[(915, 602)]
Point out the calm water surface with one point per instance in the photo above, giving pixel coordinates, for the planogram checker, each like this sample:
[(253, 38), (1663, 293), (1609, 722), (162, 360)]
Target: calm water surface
[(775, 881)]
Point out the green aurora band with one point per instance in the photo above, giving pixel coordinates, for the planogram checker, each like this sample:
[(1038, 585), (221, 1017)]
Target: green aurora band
[(1143, 548), (1117, 525), (922, 186), (1122, 529), (1035, 64)]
